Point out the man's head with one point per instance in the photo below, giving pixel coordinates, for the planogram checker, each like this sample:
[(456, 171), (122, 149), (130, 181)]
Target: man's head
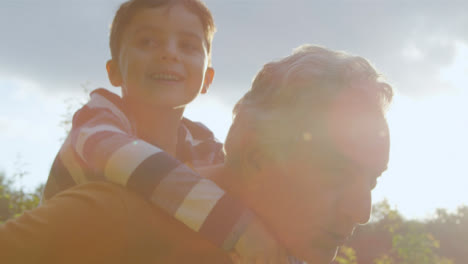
[(161, 51), (309, 141)]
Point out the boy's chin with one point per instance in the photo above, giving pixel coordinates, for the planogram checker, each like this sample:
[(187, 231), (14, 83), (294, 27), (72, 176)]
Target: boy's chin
[(156, 103)]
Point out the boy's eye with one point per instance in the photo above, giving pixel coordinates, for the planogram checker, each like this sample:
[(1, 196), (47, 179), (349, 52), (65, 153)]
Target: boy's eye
[(190, 46), (147, 42)]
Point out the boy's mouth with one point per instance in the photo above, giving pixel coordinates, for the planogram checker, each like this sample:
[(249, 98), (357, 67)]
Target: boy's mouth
[(165, 77)]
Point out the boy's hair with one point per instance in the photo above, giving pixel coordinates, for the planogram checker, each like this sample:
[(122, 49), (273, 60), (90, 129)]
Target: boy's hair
[(295, 92), (127, 11)]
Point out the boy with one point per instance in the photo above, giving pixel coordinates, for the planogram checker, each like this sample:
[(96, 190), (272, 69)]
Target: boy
[(161, 59)]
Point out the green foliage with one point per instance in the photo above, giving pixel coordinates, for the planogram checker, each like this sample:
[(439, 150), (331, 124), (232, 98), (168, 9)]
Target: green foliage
[(384, 259), (347, 255), (415, 246), (411, 243), (14, 201), (387, 218), (390, 239)]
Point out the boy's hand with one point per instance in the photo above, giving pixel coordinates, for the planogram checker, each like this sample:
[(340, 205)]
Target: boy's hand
[(258, 246)]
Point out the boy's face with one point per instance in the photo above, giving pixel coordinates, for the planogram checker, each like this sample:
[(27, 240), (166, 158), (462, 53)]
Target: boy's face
[(163, 60), (314, 199)]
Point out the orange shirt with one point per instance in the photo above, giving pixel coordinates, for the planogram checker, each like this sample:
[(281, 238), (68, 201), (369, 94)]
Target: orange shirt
[(102, 223)]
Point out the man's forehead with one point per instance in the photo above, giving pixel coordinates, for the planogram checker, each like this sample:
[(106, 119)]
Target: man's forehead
[(349, 131), (358, 130)]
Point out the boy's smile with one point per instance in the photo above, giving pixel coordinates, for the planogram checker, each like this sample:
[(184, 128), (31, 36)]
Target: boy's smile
[(163, 58), (166, 79)]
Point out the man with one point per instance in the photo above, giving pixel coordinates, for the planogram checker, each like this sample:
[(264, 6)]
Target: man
[(307, 144)]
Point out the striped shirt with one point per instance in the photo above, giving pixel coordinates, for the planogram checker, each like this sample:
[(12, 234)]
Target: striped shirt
[(102, 146)]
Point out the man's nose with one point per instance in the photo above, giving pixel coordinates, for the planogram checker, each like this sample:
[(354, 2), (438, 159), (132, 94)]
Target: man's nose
[(355, 203)]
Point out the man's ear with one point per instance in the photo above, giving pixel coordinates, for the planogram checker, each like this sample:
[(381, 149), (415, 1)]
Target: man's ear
[(253, 159), (256, 168), (113, 73), (209, 75)]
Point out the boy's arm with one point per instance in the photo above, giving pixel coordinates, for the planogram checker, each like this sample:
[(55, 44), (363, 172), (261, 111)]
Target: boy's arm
[(102, 143), (118, 157)]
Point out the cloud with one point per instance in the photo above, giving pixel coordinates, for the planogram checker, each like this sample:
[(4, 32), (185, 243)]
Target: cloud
[(64, 45), (381, 31), (4, 125), (59, 45)]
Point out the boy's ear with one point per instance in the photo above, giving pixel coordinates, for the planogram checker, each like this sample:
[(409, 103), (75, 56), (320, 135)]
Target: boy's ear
[(209, 75), (113, 73)]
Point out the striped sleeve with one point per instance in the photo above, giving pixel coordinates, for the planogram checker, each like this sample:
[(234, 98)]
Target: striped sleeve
[(103, 143)]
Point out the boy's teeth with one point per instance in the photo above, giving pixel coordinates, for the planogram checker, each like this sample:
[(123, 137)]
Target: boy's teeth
[(166, 77)]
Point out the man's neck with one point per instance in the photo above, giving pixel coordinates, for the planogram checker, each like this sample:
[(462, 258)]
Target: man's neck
[(157, 125)]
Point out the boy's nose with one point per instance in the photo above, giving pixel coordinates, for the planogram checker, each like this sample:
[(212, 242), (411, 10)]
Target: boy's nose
[(170, 52)]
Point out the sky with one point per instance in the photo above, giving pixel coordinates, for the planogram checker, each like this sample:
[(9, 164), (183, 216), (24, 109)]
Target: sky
[(51, 51)]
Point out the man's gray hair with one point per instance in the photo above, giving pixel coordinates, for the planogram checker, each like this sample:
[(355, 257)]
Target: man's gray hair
[(289, 93)]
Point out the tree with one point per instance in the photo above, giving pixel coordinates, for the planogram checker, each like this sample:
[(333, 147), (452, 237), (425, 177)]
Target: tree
[(347, 255), (390, 239), (14, 201), (416, 246)]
